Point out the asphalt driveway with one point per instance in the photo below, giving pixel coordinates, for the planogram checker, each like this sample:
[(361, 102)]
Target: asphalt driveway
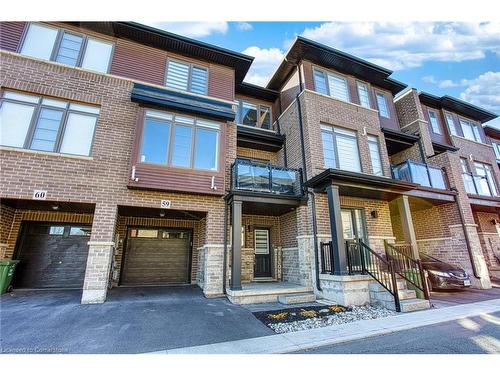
[(133, 320)]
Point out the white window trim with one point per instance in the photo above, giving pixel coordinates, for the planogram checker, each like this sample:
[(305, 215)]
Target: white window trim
[(190, 75), (57, 44)]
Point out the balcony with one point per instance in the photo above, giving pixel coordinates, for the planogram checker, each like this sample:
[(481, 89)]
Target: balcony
[(265, 178), (478, 185), (419, 173)]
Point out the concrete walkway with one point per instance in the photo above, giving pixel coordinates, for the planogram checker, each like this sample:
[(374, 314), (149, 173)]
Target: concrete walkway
[(295, 341)]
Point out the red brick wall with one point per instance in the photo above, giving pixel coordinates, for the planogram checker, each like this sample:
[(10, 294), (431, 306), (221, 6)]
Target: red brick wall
[(103, 178)]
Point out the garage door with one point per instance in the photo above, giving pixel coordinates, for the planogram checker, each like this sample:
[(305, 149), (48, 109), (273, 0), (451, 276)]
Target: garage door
[(52, 256), (156, 257)]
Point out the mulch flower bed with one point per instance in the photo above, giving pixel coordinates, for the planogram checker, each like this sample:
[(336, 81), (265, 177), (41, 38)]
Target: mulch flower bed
[(298, 313)]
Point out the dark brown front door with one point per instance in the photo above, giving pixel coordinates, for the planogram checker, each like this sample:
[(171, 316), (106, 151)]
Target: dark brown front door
[(262, 266), (157, 256), (52, 256)]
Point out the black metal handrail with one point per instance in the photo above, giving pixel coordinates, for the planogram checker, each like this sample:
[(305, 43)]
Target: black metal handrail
[(365, 261), (408, 268), (265, 178), (373, 264), (326, 257)]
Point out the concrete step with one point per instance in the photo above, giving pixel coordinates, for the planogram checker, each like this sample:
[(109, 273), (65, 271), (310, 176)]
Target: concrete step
[(376, 287), (289, 299), (414, 304), (386, 296)]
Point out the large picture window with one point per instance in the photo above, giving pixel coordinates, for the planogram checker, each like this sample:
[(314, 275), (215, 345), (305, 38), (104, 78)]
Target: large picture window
[(74, 49), (340, 148), (45, 124), (180, 141)]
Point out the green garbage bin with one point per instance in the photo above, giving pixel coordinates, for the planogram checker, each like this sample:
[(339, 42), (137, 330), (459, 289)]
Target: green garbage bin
[(7, 268), (413, 274)]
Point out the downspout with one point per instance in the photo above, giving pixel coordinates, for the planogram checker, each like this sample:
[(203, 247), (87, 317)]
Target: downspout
[(467, 238), (224, 266), (285, 158), (309, 193)]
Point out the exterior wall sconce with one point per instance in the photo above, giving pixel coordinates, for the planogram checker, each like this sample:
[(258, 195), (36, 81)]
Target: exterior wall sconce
[(374, 214), (494, 222)]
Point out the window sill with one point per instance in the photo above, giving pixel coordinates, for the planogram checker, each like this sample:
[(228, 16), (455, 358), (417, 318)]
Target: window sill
[(45, 153)]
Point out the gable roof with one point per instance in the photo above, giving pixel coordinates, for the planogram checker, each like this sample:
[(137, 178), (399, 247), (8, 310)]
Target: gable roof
[(306, 49)]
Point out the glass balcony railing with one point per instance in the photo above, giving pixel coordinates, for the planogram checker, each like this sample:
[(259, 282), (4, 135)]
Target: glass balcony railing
[(419, 173), (265, 178)]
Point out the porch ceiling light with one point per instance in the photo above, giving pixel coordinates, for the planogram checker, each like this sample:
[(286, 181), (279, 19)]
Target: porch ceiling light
[(55, 207), (162, 213)]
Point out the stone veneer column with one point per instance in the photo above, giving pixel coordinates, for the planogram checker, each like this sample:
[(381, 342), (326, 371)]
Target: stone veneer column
[(212, 267), (213, 262), (101, 248)]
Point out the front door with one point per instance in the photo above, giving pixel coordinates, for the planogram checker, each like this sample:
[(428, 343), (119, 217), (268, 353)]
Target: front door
[(353, 224), (353, 229), (262, 266)]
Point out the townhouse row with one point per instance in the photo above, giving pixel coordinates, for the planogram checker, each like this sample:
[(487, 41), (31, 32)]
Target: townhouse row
[(132, 156)]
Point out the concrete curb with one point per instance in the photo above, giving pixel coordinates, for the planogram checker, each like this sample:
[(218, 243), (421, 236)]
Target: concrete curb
[(312, 338)]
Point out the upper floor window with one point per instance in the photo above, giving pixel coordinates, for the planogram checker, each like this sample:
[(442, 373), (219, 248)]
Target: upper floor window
[(383, 109), (486, 185), (434, 122), (496, 149), (470, 130), (450, 123), (45, 124), (180, 141), (253, 114), (186, 77), (74, 49), (364, 97), (340, 148), (331, 84), (373, 145)]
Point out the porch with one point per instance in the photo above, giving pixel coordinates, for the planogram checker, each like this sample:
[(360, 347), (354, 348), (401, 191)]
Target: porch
[(262, 260)]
